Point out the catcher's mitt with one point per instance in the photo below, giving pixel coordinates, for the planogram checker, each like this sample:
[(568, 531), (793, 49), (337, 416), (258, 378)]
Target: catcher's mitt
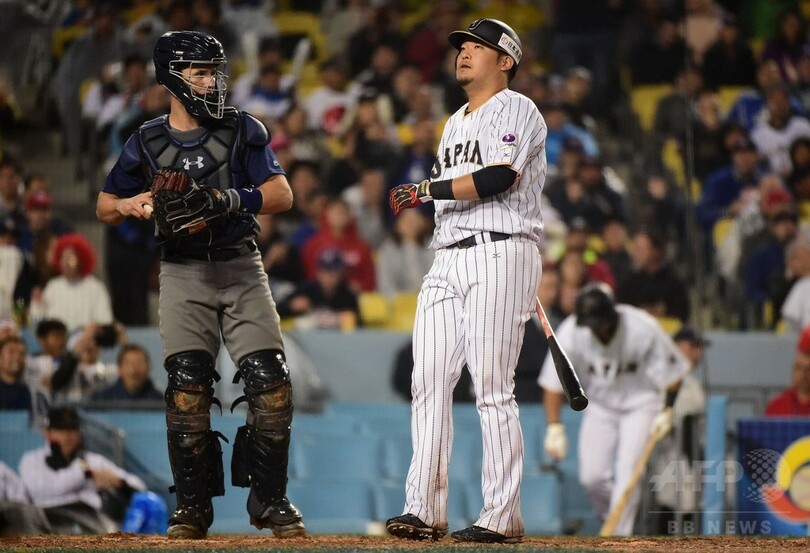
[(181, 206)]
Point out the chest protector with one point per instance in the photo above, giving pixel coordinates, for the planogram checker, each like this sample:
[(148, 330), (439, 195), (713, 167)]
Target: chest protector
[(214, 159)]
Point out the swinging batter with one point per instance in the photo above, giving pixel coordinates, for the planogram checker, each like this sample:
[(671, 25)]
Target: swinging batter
[(474, 302)]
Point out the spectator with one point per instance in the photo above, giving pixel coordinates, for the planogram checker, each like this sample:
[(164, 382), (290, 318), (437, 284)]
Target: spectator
[(560, 129), (577, 241), (795, 401), (76, 488), (340, 20), (798, 181), (133, 387), (709, 130), (702, 25), (746, 109), (664, 208), (653, 285), (796, 309), (39, 223), (52, 337), (670, 120), (268, 99), (801, 88), (381, 26), (614, 251), (209, 19), (602, 202), (328, 104), (103, 43), (657, 59), (576, 96), (765, 270), (17, 515), (17, 276), (338, 230), (427, 44), (280, 258), (729, 61), (14, 392), (11, 187), (269, 52), (76, 296), (785, 47), (778, 129), (404, 259), (724, 189), (368, 201), (326, 301)]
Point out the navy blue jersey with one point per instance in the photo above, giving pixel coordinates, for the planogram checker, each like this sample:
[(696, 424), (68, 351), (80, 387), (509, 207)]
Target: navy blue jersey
[(232, 152)]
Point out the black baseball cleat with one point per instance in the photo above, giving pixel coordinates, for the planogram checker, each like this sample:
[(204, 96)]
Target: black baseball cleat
[(411, 527), (190, 523), (282, 518), (479, 534)]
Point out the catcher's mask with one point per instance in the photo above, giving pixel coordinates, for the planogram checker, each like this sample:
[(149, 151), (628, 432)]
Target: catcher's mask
[(178, 50)]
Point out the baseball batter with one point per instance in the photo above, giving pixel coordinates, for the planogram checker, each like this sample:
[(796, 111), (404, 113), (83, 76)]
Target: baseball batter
[(474, 302), (212, 283), (630, 369)]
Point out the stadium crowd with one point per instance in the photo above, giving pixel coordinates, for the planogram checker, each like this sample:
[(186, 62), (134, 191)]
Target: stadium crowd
[(678, 157)]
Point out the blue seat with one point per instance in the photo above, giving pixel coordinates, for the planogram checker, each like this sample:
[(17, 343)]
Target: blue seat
[(230, 512), (336, 458), (15, 419), (397, 451), (13, 443), (365, 411), (337, 425), (541, 503), (331, 507), (465, 460)]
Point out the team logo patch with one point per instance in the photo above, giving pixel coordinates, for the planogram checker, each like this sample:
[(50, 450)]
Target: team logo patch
[(510, 46), (508, 140)]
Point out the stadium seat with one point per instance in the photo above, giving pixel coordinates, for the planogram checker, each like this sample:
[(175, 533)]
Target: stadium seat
[(293, 25), (230, 512), (365, 411), (720, 230), (404, 311), (644, 101), (332, 507), (541, 503), (727, 95), (336, 458), (15, 419), (14, 443), (304, 424), (397, 451), (375, 310), (671, 325), (465, 459)]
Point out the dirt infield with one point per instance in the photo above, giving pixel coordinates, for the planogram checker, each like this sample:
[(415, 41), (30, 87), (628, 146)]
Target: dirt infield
[(268, 544)]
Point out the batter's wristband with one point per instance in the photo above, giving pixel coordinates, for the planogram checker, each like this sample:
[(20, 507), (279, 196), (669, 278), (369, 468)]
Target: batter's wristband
[(442, 189), (250, 199)]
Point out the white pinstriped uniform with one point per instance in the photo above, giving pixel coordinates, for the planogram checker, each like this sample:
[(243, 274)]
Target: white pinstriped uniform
[(473, 306), (625, 382)]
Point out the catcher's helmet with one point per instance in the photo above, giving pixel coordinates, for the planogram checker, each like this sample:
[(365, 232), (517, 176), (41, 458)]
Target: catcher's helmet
[(493, 33), (176, 50), (595, 305)]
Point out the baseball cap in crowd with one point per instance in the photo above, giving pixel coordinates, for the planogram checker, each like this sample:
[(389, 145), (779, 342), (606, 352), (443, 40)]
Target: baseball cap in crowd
[(743, 144), (690, 334), (578, 224), (330, 260), (804, 341), (573, 144), (62, 418), (775, 197), (39, 200)]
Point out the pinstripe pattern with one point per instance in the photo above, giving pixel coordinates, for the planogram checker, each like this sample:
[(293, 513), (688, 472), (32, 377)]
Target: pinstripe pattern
[(473, 307), (516, 211)]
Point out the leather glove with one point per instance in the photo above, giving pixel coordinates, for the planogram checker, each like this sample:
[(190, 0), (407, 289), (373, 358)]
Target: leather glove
[(406, 196), (556, 443), (662, 423)]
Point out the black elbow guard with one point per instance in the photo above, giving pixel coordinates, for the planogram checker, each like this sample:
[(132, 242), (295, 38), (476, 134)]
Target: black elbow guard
[(493, 180)]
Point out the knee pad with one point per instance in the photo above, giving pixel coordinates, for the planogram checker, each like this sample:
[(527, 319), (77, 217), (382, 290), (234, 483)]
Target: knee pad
[(267, 389), (190, 391)]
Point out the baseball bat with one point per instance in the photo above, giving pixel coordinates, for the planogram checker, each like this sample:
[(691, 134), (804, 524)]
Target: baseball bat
[(616, 513), (565, 370)]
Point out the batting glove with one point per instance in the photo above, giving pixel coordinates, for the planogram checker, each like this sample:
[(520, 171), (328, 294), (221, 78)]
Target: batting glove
[(555, 443), (406, 196), (662, 423)]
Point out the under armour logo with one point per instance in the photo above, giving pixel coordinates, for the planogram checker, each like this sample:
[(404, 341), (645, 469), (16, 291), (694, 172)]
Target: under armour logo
[(187, 163)]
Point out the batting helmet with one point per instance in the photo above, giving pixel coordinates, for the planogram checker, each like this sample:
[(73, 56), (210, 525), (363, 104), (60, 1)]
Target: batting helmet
[(595, 305), (177, 50), (495, 34)]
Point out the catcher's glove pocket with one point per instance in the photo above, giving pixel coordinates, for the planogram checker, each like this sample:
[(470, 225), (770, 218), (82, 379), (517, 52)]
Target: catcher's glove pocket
[(183, 207)]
